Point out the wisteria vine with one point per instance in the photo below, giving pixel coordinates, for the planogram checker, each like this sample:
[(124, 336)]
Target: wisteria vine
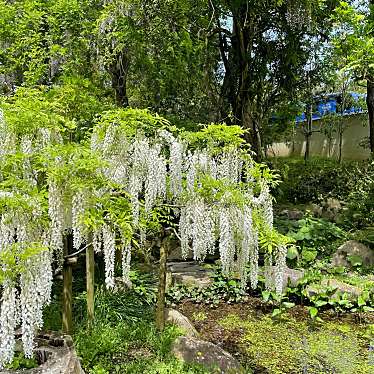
[(221, 203)]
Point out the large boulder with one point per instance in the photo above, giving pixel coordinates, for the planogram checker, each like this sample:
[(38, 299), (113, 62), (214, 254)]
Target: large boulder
[(352, 291), (290, 276), (177, 318), (176, 254), (55, 354), (292, 214), (189, 274), (356, 249), (209, 355)]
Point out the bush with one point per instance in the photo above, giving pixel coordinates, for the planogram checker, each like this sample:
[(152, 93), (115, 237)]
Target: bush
[(351, 182), (319, 178), (314, 237), (360, 201)]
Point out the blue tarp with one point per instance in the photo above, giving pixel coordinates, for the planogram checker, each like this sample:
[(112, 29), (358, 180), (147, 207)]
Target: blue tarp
[(328, 105)]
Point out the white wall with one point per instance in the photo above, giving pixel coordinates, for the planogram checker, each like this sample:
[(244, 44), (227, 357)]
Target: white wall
[(356, 129)]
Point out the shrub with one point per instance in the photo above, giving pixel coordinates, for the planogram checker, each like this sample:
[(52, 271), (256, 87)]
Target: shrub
[(351, 182), (319, 178)]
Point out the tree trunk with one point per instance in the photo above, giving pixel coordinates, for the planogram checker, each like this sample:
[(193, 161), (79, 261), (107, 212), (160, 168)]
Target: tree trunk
[(254, 136), (308, 133), (160, 311), (90, 281), (340, 140), (370, 105), (119, 70), (235, 91), (67, 293)]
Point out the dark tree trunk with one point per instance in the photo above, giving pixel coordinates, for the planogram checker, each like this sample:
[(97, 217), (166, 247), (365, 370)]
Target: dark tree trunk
[(370, 105), (119, 70), (236, 93), (247, 121)]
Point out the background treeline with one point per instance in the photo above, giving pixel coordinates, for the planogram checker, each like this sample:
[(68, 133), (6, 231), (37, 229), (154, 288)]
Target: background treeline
[(253, 63)]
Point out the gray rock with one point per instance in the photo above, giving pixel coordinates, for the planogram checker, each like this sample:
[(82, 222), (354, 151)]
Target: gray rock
[(190, 274), (316, 209), (214, 358), (56, 355), (353, 248), (333, 204), (177, 318), (121, 286), (290, 276), (176, 254), (293, 214), (340, 286)]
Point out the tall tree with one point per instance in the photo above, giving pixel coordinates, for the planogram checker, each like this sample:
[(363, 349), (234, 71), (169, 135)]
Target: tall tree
[(355, 34), (370, 82), (265, 46)]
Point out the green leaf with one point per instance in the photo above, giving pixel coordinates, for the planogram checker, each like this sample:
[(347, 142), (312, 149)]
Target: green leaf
[(367, 309), (288, 305), (355, 260), (313, 312), (292, 253), (276, 312), (308, 255), (265, 295), (361, 301), (320, 303)]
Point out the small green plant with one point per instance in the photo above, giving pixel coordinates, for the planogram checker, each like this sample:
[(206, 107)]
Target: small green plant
[(20, 362), (281, 303), (199, 316), (222, 288), (314, 238)]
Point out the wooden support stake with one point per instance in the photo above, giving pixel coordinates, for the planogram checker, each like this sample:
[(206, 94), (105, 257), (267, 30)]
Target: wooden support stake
[(90, 279), (160, 308), (67, 293)]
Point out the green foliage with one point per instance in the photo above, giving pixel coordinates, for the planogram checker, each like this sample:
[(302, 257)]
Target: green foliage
[(20, 362), (40, 39), (222, 288), (30, 109), (216, 137), (360, 201), (289, 345), (318, 179), (14, 259), (130, 122), (73, 165), (281, 303), (313, 237), (123, 339), (350, 182), (133, 348), (80, 101), (354, 40)]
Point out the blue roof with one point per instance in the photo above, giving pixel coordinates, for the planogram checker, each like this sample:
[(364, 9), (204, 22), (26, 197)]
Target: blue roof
[(327, 104)]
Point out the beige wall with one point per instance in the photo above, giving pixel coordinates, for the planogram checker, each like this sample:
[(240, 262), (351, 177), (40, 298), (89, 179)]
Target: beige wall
[(356, 129)]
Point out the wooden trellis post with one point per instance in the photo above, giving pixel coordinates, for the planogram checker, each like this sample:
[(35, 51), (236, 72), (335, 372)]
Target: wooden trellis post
[(67, 293), (160, 309), (90, 282)]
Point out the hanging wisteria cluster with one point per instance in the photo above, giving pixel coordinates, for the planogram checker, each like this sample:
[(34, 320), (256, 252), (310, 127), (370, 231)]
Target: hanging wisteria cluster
[(24, 296), (164, 169), (220, 204), (27, 241)]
